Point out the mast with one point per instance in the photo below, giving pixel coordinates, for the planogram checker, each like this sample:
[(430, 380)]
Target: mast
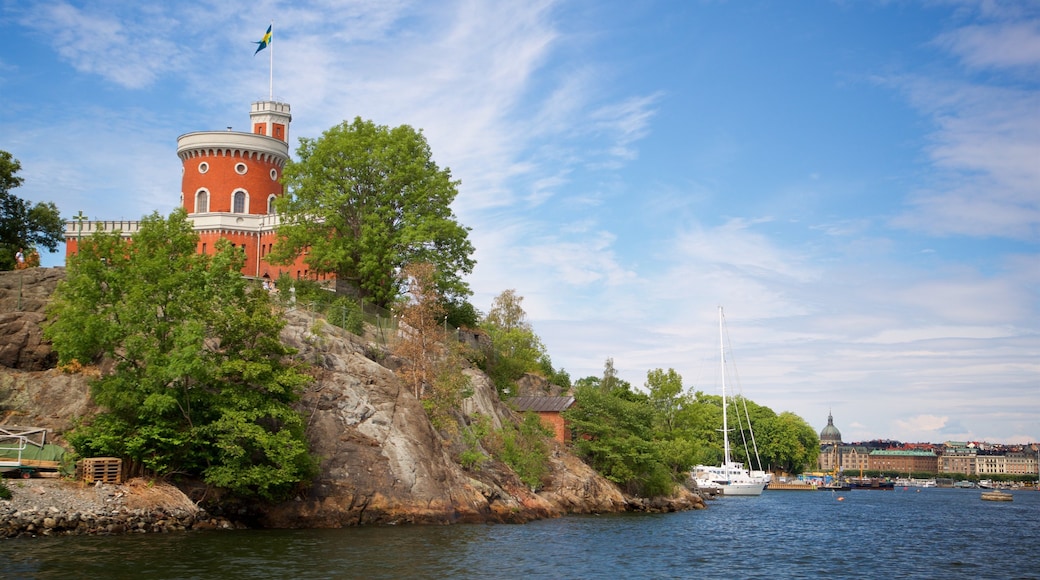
[(270, 88), (722, 359)]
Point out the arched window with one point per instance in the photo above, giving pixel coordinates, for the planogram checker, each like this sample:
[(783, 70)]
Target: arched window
[(240, 202), (201, 201), (270, 204)]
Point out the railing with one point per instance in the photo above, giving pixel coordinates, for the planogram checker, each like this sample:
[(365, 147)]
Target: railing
[(88, 228)]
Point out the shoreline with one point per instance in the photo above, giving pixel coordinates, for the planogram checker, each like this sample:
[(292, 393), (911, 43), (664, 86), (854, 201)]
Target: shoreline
[(55, 507)]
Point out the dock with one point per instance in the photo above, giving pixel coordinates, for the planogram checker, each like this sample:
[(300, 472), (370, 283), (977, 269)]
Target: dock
[(791, 486)]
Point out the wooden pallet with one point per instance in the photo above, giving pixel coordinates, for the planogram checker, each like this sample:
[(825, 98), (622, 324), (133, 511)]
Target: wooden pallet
[(103, 469)]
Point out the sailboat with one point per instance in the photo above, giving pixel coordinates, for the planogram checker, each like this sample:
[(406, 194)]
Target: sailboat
[(731, 477)]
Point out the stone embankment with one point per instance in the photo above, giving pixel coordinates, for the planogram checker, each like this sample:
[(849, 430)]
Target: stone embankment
[(49, 507)]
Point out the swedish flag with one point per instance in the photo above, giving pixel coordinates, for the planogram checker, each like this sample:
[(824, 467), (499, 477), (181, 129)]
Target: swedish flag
[(263, 42)]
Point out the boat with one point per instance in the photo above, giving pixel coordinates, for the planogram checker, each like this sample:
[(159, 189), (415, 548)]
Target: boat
[(997, 495), (731, 477), (871, 483)]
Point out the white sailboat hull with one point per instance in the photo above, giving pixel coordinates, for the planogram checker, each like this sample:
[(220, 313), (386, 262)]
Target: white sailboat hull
[(749, 488), (730, 479)]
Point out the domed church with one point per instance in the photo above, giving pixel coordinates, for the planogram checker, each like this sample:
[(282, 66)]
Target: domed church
[(830, 434)]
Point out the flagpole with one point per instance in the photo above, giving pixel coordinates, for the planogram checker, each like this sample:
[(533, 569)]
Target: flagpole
[(271, 87)]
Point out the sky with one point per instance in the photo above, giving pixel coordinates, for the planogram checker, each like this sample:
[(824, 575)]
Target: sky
[(856, 184)]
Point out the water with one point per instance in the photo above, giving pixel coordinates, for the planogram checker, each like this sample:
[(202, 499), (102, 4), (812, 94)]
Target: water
[(933, 533)]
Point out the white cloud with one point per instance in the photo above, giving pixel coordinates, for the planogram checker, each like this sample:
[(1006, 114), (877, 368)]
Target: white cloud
[(986, 140), (1001, 45), (132, 55)]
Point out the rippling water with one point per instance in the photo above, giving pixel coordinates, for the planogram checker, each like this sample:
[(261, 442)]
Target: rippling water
[(932, 533)]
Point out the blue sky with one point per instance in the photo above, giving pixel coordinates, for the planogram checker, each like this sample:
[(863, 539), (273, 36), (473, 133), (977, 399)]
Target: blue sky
[(856, 183)]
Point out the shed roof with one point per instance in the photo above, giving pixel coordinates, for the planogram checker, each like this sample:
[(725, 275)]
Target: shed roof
[(543, 404)]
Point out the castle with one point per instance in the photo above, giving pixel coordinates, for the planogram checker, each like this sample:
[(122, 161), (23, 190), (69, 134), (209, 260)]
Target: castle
[(229, 181)]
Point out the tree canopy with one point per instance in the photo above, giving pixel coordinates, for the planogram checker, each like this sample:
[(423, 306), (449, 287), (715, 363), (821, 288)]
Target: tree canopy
[(24, 226), (363, 201), (200, 382), (638, 438)]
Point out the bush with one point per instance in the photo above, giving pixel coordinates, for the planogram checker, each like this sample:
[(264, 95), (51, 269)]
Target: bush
[(472, 458), (524, 448)]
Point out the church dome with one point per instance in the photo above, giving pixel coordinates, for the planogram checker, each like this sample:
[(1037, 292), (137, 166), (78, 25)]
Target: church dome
[(830, 434)]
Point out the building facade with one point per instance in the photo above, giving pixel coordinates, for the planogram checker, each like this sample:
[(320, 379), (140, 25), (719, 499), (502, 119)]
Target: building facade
[(903, 461)]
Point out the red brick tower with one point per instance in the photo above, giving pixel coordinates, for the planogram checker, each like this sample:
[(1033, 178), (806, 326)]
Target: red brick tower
[(229, 183)]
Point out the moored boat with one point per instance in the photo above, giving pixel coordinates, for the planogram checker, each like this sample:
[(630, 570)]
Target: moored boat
[(731, 477), (870, 483)]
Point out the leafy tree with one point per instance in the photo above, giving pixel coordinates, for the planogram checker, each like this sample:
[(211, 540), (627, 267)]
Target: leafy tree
[(200, 382), (665, 395), (615, 436), (516, 349), (363, 201), (431, 366), (560, 378), (677, 444), (787, 442), (611, 382), (23, 226)]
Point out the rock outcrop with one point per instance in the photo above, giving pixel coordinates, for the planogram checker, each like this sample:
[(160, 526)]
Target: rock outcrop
[(381, 460), (24, 294)]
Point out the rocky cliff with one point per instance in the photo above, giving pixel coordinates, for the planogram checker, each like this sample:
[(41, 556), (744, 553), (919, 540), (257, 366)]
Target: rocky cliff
[(381, 459)]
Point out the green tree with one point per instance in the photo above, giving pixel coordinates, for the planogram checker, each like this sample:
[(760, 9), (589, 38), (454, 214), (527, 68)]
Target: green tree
[(364, 200), (665, 395), (24, 226), (787, 442), (614, 434), (200, 383), (677, 443), (516, 349)]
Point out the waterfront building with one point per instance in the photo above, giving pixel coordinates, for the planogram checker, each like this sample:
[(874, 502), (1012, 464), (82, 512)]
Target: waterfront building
[(903, 461), (957, 459), (990, 462), (1021, 462), (229, 181), (844, 458)]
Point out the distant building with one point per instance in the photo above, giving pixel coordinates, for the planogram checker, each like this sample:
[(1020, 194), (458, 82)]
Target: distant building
[(830, 434), (843, 458), (957, 457), (903, 461)]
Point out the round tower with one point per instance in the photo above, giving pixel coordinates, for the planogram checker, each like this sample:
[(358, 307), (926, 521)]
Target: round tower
[(230, 180), (230, 172)]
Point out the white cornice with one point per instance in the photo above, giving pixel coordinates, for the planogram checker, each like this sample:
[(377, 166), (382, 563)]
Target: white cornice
[(200, 142)]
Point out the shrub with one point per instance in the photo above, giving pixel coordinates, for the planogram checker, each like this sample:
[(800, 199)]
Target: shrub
[(524, 448)]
